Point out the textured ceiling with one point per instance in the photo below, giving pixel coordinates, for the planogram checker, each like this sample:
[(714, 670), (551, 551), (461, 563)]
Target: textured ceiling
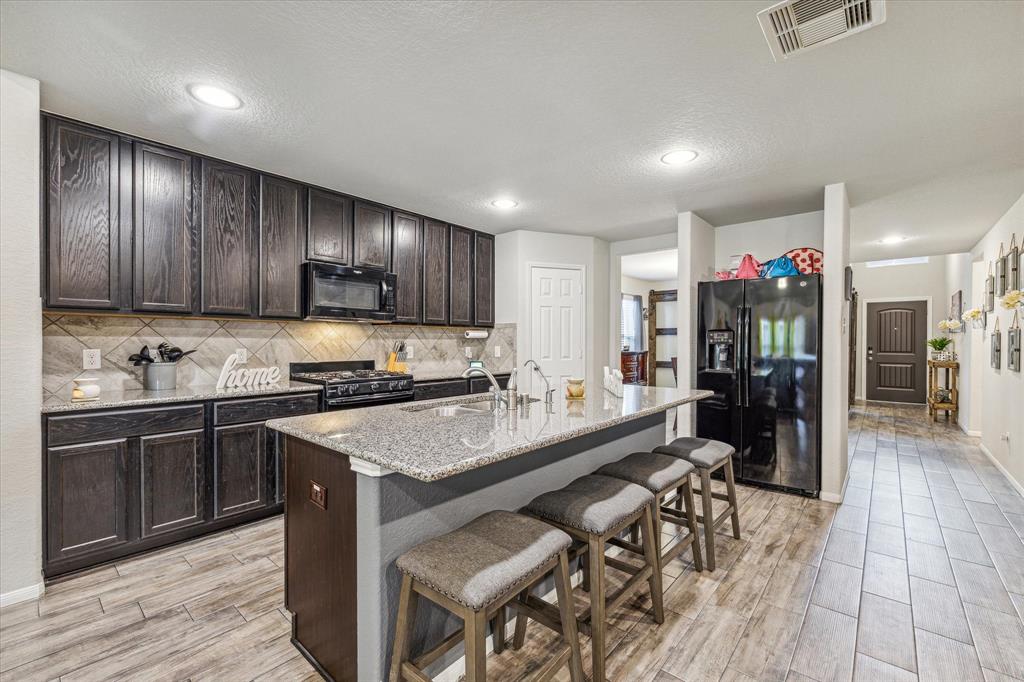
[(439, 107), (652, 267)]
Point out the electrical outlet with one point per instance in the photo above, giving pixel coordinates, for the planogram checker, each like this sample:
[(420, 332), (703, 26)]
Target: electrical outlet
[(408, 352), (468, 351), (91, 358), (242, 354), (497, 351)]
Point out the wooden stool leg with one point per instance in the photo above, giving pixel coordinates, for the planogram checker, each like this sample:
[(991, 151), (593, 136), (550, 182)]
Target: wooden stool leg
[(563, 588), (653, 559), (521, 622), (730, 487), (597, 607), (709, 517), (691, 522), (679, 499), (476, 646), (403, 626), (498, 630), (658, 525), (634, 533), (585, 569)]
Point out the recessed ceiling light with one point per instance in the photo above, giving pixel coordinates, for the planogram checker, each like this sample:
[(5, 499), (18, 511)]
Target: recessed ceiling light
[(214, 96), (504, 203), (679, 157), (895, 239)]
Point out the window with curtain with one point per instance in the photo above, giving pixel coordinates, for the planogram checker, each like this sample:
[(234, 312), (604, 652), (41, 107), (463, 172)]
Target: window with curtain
[(632, 322)]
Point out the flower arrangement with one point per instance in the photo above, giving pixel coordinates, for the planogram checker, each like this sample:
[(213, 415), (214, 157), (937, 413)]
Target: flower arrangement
[(973, 317), (1014, 298), (950, 326)]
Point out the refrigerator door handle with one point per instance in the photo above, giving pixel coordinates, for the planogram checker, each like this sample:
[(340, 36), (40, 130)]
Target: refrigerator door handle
[(740, 356), (746, 356)]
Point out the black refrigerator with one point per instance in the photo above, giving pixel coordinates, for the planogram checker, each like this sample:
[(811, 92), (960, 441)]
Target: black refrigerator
[(759, 350)]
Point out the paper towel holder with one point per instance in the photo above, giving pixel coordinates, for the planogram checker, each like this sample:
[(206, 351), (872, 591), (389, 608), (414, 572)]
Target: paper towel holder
[(476, 334)]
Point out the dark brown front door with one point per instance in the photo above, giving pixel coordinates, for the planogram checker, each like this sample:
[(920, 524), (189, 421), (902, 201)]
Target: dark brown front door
[(896, 351)]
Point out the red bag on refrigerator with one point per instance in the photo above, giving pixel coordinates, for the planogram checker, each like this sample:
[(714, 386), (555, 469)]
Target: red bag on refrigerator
[(749, 268)]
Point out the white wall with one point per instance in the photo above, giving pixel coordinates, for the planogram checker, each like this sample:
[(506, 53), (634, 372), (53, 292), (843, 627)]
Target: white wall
[(959, 278), (616, 250), (21, 342), (766, 239), (926, 281), (835, 355), (978, 357), (516, 251), (1002, 390), (696, 244)]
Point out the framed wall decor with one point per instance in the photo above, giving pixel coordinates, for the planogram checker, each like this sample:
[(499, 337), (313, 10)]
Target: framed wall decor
[(1000, 272), (1013, 273), (1014, 345), (956, 305), (990, 291), (996, 346)]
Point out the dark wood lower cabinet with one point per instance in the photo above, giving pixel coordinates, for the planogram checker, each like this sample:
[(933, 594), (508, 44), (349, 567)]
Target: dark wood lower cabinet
[(122, 481), (87, 504), (239, 468), (173, 481)]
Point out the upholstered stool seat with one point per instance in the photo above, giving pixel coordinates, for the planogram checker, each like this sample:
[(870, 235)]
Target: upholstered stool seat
[(474, 572), (701, 452), (478, 563), (661, 474), (708, 456), (594, 510), (593, 504)]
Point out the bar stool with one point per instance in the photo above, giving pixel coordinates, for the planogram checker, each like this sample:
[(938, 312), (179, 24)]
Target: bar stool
[(709, 456), (594, 509), (473, 572), (661, 474)]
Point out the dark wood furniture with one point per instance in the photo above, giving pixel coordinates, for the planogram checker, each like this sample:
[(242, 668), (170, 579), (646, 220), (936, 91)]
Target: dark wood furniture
[(633, 365), (133, 226), (122, 481), (461, 275), (654, 331)]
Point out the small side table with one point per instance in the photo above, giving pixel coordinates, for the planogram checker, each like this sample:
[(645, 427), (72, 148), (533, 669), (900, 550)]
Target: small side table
[(952, 405)]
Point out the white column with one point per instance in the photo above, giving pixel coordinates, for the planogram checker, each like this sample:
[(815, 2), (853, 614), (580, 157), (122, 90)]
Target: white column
[(21, 342), (696, 239), (835, 358)]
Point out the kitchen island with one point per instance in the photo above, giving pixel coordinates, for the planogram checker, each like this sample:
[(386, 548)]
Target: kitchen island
[(363, 486)]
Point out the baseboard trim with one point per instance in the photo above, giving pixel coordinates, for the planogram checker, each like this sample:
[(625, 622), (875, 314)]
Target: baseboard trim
[(837, 498), (1016, 484), (24, 594)]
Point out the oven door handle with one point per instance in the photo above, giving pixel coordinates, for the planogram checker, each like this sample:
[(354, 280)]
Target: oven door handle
[(397, 396)]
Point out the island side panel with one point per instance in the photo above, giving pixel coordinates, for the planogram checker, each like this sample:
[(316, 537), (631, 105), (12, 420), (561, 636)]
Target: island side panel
[(320, 558), (396, 512)]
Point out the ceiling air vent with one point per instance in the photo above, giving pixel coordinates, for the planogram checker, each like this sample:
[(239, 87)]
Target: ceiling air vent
[(795, 26)]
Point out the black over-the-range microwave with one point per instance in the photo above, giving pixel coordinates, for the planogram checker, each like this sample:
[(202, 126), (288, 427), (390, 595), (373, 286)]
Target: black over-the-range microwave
[(339, 292)]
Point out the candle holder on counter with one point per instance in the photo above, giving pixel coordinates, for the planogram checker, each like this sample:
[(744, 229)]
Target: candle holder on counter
[(574, 389)]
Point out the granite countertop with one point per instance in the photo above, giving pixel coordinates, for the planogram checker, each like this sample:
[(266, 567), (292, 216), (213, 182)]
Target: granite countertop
[(183, 394), (406, 438)]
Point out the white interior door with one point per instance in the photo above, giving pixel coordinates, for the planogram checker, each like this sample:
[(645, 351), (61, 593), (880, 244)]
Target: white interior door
[(557, 330)]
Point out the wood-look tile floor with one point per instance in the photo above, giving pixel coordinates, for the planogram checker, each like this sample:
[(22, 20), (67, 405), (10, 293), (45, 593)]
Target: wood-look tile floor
[(919, 574)]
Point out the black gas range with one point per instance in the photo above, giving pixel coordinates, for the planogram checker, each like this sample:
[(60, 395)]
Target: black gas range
[(354, 383)]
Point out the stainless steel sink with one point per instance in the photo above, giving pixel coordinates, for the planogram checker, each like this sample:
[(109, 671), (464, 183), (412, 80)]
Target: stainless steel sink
[(467, 410)]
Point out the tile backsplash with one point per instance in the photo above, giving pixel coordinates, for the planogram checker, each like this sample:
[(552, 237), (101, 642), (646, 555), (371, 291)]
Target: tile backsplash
[(437, 351)]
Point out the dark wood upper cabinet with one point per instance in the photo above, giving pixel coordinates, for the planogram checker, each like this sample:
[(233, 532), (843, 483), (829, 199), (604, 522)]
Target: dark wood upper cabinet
[(483, 280), (239, 468), (83, 216), (371, 227), (406, 262), (461, 297), (330, 227), (228, 240), (173, 481), (435, 272), (87, 504), (282, 244), (163, 229)]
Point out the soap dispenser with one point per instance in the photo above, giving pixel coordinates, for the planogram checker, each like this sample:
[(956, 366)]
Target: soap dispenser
[(511, 390)]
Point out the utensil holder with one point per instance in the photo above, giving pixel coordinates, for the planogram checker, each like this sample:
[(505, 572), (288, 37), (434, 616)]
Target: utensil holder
[(160, 376)]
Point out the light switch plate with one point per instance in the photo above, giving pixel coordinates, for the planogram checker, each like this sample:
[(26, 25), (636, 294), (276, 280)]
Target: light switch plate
[(408, 352), (497, 351), (242, 354), (91, 358), (468, 351)]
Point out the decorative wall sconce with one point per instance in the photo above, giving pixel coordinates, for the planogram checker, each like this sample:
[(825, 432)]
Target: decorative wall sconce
[(1013, 344), (996, 341)]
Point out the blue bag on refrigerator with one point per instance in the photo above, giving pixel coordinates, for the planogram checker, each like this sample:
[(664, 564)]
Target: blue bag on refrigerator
[(783, 266)]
